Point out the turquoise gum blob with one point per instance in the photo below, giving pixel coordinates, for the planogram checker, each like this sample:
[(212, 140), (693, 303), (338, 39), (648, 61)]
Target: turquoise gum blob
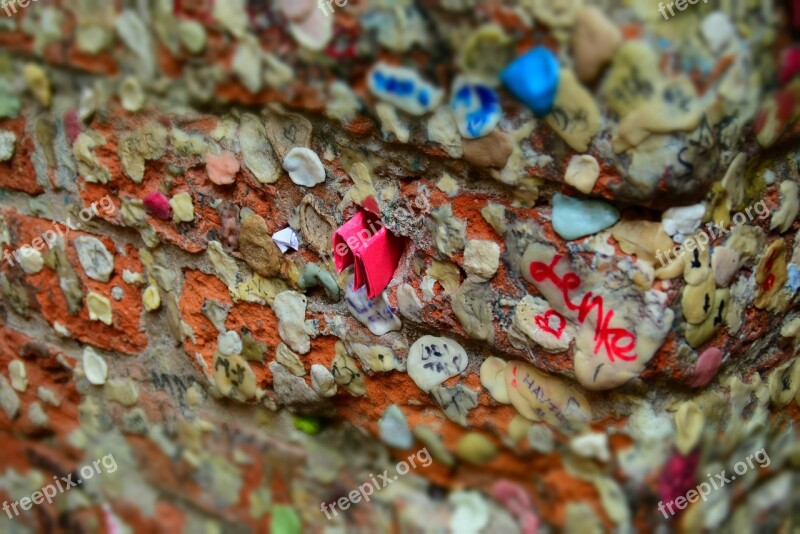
[(574, 218), (533, 78)]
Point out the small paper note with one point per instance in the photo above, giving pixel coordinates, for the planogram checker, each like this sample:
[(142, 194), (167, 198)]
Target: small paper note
[(286, 239)]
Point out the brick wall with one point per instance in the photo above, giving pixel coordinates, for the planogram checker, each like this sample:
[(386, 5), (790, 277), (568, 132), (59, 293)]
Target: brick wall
[(573, 383)]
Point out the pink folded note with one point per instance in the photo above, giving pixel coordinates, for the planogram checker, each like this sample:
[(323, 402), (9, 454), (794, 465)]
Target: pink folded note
[(351, 236), (377, 261), (373, 249)]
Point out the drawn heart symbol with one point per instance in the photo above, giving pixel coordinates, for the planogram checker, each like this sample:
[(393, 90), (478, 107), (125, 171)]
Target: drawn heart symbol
[(543, 322)]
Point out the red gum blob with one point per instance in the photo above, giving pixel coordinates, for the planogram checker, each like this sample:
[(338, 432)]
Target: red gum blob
[(678, 477), (706, 367), (158, 205), (72, 126), (516, 501)]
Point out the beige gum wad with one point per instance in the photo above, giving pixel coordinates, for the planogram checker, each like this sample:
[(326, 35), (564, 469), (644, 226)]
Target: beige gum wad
[(535, 395), (675, 107), (597, 371), (575, 115), (645, 100), (704, 305), (539, 397), (234, 378), (697, 297), (771, 274)]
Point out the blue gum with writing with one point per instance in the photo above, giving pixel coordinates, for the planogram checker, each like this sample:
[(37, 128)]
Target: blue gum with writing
[(403, 88), (533, 78), (476, 108), (375, 314)]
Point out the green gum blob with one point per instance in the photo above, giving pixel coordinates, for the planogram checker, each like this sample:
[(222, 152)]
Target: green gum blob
[(314, 275)]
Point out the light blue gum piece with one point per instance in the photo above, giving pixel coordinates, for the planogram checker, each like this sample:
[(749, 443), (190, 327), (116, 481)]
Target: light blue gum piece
[(314, 275), (574, 218)]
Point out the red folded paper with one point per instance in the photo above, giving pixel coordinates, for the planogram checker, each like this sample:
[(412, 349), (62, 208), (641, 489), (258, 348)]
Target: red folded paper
[(351, 236), (373, 249)]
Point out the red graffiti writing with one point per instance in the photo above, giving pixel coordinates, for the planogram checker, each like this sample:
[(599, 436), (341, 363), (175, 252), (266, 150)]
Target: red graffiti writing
[(543, 322), (617, 342), (770, 280)]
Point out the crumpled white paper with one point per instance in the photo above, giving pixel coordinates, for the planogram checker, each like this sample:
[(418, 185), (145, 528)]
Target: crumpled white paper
[(286, 239)]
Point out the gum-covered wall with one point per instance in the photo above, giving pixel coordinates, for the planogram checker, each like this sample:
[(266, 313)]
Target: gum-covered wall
[(399, 266)]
